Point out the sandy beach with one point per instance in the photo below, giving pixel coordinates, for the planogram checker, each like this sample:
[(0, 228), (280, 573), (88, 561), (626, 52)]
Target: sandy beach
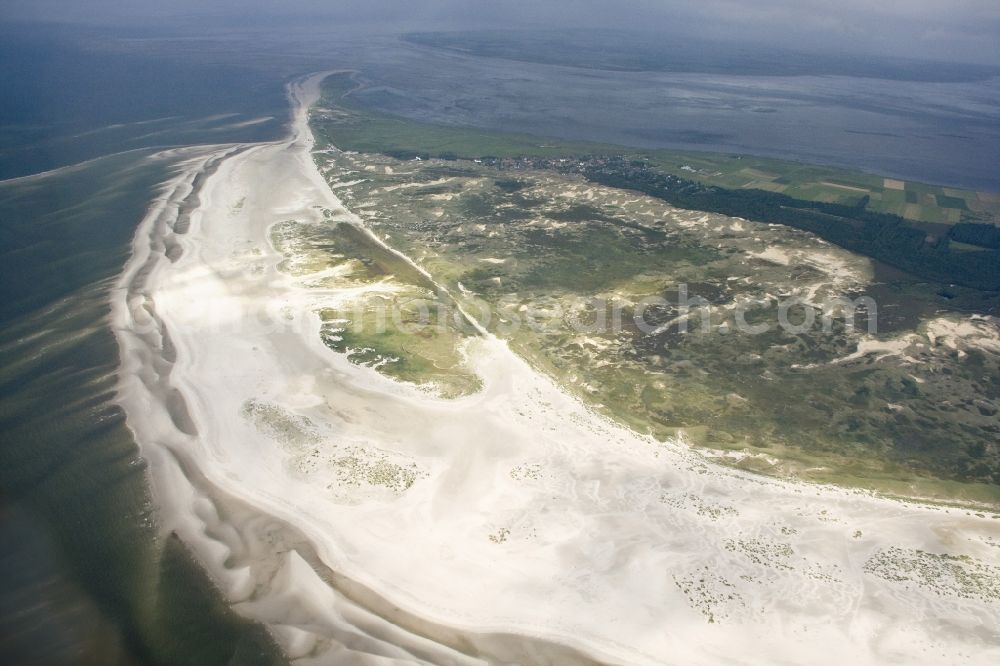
[(365, 521)]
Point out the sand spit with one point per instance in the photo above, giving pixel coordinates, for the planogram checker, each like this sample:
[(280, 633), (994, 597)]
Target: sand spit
[(527, 529), (267, 568)]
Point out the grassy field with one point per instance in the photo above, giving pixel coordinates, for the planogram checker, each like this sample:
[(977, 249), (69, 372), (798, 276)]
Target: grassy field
[(349, 126), (915, 201)]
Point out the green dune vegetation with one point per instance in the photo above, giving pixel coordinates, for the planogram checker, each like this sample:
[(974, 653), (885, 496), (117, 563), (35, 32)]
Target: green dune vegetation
[(564, 267), (382, 319)]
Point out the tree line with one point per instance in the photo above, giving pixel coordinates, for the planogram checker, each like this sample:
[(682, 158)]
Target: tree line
[(882, 236)]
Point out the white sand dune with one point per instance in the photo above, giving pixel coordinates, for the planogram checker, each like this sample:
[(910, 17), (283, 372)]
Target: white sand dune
[(528, 529)]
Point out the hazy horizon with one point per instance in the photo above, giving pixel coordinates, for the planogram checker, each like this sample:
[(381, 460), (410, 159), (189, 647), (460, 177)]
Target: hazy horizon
[(963, 31)]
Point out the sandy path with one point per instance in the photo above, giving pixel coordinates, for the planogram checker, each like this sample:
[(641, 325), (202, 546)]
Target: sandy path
[(532, 523)]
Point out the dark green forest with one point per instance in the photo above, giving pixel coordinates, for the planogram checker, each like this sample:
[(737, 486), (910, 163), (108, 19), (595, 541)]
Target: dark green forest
[(888, 238)]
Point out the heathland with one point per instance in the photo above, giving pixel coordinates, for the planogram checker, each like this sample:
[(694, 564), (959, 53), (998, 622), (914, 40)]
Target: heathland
[(526, 224)]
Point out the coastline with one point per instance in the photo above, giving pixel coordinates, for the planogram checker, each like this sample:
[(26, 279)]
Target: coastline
[(260, 561), (197, 314)]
